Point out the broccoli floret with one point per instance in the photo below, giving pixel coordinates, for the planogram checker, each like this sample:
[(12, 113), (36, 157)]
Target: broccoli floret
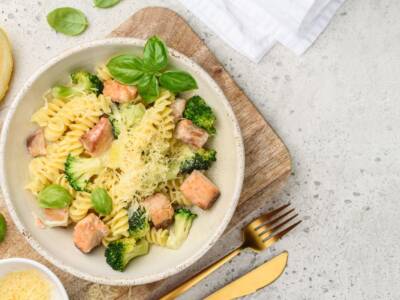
[(200, 114), (82, 82), (127, 114), (78, 170), (183, 220), (201, 159), (185, 159), (115, 120), (87, 82), (119, 253), (63, 92), (138, 223)]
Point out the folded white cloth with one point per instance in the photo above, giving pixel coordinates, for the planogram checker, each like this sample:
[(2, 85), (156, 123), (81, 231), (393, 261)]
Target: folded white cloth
[(252, 27)]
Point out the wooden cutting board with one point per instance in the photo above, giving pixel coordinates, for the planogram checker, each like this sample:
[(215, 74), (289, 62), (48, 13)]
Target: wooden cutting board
[(267, 160)]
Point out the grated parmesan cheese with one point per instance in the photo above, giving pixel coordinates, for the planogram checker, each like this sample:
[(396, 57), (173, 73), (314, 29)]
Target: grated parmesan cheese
[(22, 285)]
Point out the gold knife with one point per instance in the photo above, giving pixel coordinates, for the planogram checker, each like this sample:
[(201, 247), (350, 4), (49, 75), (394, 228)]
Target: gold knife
[(258, 278)]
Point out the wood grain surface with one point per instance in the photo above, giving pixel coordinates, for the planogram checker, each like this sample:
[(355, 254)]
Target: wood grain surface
[(267, 161)]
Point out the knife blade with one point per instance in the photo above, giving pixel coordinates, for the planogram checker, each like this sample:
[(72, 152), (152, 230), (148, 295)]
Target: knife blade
[(258, 278)]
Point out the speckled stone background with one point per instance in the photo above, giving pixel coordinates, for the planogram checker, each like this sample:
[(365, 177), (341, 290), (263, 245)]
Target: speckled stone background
[(337, 108)]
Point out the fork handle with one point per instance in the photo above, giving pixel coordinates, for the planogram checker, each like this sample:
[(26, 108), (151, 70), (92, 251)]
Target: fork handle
[(200, 276)]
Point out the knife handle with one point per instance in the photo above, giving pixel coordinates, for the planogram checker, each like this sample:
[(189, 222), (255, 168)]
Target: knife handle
[(200, 276)]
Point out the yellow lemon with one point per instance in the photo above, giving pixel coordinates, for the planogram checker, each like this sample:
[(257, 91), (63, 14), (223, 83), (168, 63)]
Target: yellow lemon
[(6, 63)]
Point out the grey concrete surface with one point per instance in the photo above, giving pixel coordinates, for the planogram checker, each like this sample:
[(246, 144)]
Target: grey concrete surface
[(337, 108)]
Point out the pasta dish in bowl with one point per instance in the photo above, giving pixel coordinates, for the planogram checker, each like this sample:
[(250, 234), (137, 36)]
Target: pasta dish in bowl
[(132, 161)]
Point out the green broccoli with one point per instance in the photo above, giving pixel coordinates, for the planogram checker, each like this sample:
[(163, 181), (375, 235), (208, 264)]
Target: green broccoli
[(82, 82), (87, 81), (200, 114), (127, 114), (183, 220), (78, 170), (199, 160), (119, 253), (115, 120), (64, 92), (138, 223)]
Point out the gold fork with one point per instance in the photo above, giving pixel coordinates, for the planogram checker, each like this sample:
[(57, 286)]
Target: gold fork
[(258, 235)]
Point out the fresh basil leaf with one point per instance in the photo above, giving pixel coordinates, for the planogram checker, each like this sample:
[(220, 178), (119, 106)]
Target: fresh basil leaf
[(155, 54), (178, 81), (148, 88), (3, 228), (127, 69), (54, 196), (101, 201), (67, 20), (105, 3)]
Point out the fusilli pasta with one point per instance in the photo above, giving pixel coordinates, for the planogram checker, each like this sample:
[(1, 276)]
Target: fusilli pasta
[(157, 236), (80, 206), (174, 193), (145, 164), (78, 119), (117, 222), (49, 110), (107, 157)]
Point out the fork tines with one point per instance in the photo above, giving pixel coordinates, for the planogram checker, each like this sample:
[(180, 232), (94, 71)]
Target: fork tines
[(275, 224)]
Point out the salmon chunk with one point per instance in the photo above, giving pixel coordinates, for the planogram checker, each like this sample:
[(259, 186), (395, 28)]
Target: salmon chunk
[(98, 139), (178, 107), (190, 134), (118, 92), (200, 190), (159, 209), (36, 143), (89, 232), (53, 217)]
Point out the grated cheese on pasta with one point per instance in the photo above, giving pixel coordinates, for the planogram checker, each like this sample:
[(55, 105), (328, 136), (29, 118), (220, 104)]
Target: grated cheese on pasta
[(138, 164)]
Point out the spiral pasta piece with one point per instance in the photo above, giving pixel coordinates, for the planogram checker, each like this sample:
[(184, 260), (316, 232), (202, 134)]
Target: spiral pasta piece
[(77, 110), (80, 206), (172, 189), (117, 222), (44, 114), (40, 173), (157, 124), (58, 152), (157, 237), (58, 124)]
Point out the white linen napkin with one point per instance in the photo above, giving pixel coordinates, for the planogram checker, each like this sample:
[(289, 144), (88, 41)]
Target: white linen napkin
[(252, 27)]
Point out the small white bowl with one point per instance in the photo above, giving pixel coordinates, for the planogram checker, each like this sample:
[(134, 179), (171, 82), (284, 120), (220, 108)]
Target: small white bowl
[(21, 264), (56, 244)]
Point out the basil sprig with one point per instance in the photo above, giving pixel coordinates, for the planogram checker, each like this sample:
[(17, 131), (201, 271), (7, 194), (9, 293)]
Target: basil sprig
[(149, 73)]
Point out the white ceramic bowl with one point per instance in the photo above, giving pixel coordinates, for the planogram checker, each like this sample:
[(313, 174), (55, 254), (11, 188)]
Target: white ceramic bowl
[(21, 264), (56, 244)]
